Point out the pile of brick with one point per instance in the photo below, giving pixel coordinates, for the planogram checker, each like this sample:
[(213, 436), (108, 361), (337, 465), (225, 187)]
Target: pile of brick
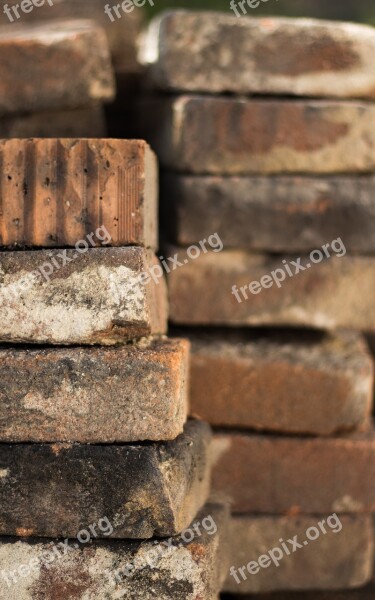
[(265, 130), (97, 458)]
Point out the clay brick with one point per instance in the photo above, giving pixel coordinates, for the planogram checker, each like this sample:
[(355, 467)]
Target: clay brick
[(292, 383), (334, 293), (167, 570), (281, 475), (54, 65), (144, 490), (78, 123), (302, 57), (95, 297), (287, 214), (122, 33), (57, 191), (234, 136), (333, 561), (94, 395), (366, 593)]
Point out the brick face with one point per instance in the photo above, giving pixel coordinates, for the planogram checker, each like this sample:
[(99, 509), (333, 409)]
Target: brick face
[(260, 55), (57, 191), (310, 384), (292, 475)]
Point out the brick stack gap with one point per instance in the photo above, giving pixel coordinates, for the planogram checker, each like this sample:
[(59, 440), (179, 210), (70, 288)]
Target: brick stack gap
[(98, 463), (265, 131)]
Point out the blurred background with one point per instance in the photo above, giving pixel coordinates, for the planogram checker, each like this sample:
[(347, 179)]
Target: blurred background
[(351, 10)]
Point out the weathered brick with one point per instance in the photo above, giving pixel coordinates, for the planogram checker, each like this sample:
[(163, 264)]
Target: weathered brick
[(184, 567), (281, 475), (302, 57), (335, 293), (234, 136), (54, 65), (57, 191), (366, 593), (339, 559), (122, 33), (287, 213), (292, 383), (78, 123), (94, 395), (144, 490), (95, 297)]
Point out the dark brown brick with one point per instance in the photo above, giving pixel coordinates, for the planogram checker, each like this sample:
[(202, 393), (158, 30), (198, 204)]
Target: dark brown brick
[(287, 214), (94, 395), (340, 558), (90, 297), (144, 490), (281, 475), (57, 191), (302, 57), (233, 136), (56, 65), (291, 383)]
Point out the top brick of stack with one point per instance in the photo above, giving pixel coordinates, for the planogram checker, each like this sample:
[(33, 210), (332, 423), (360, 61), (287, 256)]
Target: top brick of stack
[(300, 57)]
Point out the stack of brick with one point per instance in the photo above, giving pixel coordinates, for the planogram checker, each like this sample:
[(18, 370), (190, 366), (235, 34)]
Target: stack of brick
[(265, 130), (97, 458)]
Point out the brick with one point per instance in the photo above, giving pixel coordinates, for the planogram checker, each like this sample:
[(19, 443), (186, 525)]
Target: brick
[(301, 57), (72, 186), (144, 490), (333, 561), (291, 383), (78, 122), (94, 297), (94, 395), (281, 475), (122, 33), (335, 293), (62, 65), (169, 570), (366, 593), (233, 136), (287, 214)]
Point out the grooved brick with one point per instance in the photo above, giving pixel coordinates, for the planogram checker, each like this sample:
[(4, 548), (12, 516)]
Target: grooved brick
[(57, 191), (301, 57), (94, 297), (333, 561), (312, 384), (334, 293), (145, 490), (294, 475), (234, 136), (54, 65), (94, 395), (287, 214)]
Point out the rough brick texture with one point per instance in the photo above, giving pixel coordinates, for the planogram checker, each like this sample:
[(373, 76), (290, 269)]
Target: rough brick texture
[(121, 33), (94, 395), (302, 57), (144, 490), (281, 475), (57, 191), (307, 384), (336, 292), (77, 122), (94, 297), (56, 65), (339, 559), (233, 136), (167, 570), (287, 214)]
